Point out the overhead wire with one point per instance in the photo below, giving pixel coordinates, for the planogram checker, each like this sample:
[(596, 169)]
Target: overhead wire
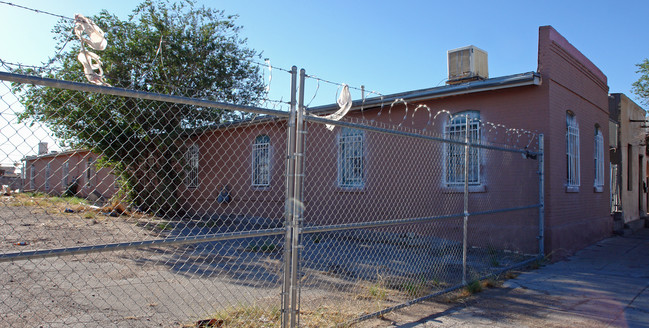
[(36, 10)]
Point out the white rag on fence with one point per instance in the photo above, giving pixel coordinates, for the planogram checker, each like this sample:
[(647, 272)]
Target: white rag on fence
[(95, 39), (345, 103)]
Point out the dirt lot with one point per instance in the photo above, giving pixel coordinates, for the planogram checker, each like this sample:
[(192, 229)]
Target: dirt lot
[(161, 286), (165, 286), (175, 286)]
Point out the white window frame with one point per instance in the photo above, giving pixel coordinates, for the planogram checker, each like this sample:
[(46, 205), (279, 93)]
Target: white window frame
[(48, 172), (32, 177), (616, 201), (90, 172), (261, 161), (65, 180), (572, 153), (351, 158), (454, 153), (599, 160), (192, 157)]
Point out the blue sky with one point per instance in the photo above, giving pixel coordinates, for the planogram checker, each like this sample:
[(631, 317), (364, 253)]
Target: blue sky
[(388, 46)]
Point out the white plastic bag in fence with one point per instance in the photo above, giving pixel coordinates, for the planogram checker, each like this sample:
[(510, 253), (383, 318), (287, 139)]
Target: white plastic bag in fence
[(83, 25), (96, 40), (91, 62), (345, 103)]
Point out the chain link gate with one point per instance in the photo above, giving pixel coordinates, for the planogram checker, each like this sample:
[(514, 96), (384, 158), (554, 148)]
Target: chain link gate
[(391, 216), (273, 220), (77, 251)]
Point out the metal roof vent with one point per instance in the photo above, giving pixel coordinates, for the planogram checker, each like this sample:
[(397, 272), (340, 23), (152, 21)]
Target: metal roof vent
[(467, 64)]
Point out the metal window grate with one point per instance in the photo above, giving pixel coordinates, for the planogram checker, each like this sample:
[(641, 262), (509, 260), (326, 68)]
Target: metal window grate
[(616, 200), (572, 151), (599, 160), (261, 161), (351, 158), (66, 174), (192, 167), (48, 173), (456, 130)]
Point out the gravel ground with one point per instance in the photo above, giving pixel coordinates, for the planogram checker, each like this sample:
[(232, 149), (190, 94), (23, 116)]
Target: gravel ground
[(345, 275), (163, 286)]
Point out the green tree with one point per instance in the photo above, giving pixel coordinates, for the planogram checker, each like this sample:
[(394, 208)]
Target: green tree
[(641, 86), (641, 89), (163, 47)]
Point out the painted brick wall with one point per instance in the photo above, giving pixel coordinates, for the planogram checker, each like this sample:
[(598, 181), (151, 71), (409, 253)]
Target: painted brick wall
[(573, 83)]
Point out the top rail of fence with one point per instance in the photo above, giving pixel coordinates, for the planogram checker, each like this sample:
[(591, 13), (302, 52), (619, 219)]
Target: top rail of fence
[(114, 91)]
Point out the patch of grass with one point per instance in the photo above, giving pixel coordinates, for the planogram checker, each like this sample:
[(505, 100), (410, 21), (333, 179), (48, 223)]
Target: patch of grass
[(243, 316), (492, 252), (415, 288), (490, 283), (254, 316), (511, 274), (164, 226), (538, 263), (89, 215), (47, 201), (378, 292), (473, 287), (265, 247)]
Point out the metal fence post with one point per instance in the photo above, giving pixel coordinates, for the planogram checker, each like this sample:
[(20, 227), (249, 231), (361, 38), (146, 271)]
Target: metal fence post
[(288, 203), (298, 205), (466, 197), (541, 198)]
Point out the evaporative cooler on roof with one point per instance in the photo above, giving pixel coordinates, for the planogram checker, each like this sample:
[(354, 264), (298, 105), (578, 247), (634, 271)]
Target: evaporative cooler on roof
[(467, 64)]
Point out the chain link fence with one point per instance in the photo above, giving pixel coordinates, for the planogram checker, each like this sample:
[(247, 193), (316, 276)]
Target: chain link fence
[(244, 216)]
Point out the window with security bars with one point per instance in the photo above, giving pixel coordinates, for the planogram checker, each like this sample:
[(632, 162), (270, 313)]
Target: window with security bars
[(572, 152), (599, 160), (261, 161), (90, 172), (48, 172), (616, 199), (65, 181), (351, 158), (191, 166), (456, 130), (32, 177)]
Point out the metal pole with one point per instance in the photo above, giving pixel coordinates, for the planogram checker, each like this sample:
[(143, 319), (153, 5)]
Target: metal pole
[(298, 205), (466, 198), (541, 198), (288, 203)]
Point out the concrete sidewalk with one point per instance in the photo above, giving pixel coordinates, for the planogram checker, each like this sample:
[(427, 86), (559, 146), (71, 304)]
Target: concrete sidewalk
[(603, 285)]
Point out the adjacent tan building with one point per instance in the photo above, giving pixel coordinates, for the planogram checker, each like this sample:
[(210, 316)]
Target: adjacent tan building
[(628, 152)]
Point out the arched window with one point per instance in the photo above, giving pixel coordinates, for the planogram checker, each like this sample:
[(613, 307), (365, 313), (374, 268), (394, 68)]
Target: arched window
[(261, 161), (572, 152), (456, 129)]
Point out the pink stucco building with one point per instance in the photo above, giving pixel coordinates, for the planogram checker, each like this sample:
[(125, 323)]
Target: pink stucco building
[(356, 176), (53, 172), (566, 99)]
